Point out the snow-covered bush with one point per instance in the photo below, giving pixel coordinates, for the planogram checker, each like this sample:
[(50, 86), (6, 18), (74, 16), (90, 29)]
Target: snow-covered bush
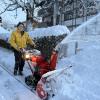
[(47, 43)]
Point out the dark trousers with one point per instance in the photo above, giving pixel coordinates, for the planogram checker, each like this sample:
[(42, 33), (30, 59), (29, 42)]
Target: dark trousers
[(19, 61)]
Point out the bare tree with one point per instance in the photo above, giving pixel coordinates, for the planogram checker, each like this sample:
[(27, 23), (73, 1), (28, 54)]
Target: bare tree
[(28, 6)]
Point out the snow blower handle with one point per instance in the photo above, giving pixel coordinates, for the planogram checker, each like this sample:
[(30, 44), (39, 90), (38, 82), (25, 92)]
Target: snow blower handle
[(30, 67)]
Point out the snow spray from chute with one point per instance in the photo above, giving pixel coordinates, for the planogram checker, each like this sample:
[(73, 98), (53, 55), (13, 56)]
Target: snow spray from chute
[(59, 71)]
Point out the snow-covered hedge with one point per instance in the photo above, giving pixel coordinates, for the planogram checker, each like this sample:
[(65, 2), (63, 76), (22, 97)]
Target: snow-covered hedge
[(49, 31), (47, 38), (47, 43)]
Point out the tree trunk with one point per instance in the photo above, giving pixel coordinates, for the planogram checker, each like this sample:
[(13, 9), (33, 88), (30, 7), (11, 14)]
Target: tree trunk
[(29, 19), (55, 13)]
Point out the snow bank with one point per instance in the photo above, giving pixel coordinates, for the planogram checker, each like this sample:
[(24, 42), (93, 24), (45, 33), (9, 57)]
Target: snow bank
[(4, 34), (82, 82), (54, 30), (81, 49)]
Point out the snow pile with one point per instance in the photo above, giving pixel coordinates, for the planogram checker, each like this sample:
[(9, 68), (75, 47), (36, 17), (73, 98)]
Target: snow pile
[(11, 89), (82, 82), (50, 31), (4, 34)]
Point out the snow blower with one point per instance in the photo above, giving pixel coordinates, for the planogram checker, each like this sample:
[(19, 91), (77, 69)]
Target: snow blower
[(39, 65)]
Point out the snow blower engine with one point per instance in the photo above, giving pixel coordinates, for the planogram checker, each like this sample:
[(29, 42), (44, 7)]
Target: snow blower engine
[(39, 65)]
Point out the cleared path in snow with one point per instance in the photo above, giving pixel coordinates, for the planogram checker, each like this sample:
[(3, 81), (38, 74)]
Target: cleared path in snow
[(12, 88)]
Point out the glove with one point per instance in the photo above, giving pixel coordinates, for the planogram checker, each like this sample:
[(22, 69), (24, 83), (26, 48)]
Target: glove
[(33, 45), (20, 50)]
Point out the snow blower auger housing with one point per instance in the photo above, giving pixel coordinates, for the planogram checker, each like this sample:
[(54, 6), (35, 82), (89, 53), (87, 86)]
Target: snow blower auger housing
[(39, 65)]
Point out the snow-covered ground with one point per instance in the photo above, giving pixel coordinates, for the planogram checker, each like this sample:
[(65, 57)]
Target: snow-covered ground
[(10, 88), (82, 81)]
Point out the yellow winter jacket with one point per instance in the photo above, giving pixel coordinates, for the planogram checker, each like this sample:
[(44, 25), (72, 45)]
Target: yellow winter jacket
[(17, 41)]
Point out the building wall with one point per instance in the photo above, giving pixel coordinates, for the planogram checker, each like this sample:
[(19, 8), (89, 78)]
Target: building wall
[(74, 13)]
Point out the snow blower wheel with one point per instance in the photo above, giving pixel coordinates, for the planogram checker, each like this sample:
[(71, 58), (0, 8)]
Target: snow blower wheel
[(30, 80)]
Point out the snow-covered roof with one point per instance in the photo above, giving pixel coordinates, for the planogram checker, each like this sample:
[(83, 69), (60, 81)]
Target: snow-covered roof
[(50, 31)]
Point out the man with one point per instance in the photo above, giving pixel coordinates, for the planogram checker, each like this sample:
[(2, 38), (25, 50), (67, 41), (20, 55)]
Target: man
[(19, 40)]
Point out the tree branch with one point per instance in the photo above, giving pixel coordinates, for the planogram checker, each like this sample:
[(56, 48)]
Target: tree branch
[(5, 9), (14, 2)]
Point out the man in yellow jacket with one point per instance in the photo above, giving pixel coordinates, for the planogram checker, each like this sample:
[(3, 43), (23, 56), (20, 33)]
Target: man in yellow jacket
[(19, 40)]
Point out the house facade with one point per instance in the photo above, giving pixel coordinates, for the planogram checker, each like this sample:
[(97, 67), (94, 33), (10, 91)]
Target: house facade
[(68, 12)]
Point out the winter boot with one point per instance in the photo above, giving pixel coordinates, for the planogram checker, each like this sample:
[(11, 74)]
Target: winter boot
[(20, 73), (15, 72)]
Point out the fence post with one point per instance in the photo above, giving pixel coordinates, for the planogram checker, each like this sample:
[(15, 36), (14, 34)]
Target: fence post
[(76, 46)]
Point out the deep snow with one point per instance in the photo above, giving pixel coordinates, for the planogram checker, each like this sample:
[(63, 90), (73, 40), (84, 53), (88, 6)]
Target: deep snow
[(84, 76)]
